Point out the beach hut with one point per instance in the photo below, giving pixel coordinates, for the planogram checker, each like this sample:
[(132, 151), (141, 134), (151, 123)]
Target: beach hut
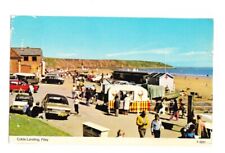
[(162, 79), (139, 97)]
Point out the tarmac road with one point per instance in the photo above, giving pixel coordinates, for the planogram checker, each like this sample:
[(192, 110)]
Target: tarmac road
[(73, 124)]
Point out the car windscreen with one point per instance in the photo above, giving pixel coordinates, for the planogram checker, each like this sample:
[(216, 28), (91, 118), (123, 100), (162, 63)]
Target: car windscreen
[(23, 98), (59, 100)]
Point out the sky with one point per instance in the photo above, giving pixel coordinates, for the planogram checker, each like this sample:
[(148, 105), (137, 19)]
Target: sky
[(177, 42)]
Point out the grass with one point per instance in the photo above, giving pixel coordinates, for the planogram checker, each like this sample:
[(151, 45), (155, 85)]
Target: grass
[(22, 125)]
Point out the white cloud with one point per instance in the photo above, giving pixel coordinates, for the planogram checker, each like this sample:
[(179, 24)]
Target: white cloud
[(158, 51), (197, 53)]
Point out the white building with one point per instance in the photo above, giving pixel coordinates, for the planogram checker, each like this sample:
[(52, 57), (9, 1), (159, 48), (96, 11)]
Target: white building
[(162, 79)]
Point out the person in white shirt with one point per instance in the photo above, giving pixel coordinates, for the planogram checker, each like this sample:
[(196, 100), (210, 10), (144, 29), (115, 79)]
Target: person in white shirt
[(127, 104), (156, 125)]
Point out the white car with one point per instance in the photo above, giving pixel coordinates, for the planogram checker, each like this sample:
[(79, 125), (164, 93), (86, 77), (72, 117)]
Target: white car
[(20, 101)]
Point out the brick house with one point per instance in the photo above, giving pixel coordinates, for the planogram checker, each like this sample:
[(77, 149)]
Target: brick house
[(26, 60)]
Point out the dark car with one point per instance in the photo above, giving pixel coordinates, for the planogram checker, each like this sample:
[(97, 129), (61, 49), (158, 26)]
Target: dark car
[(52, 79), (54, 104)]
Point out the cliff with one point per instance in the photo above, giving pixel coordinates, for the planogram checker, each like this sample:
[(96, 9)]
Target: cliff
[(109, 64)]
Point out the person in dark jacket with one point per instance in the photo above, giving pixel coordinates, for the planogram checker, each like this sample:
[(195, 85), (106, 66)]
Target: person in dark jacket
[(36, 110), (175, 111), (117, 105)]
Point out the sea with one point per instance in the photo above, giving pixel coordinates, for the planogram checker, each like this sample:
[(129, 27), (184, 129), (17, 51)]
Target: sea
[(185, 71)]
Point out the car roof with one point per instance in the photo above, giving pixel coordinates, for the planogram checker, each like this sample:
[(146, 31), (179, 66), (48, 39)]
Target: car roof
[(55, 95)]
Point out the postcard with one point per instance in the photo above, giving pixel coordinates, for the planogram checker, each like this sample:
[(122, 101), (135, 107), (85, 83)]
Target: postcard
[(111, 80)]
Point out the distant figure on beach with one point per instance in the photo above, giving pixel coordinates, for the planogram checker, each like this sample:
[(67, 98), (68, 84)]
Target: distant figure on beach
[(156, 125), (117, 105), (120, 133), (175, 111), (142, 122)]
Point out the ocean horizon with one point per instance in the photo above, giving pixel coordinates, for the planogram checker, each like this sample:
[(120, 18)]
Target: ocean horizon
[(186, 71)]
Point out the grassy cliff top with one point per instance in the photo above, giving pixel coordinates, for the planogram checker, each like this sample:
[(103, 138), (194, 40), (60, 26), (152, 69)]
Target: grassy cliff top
[(111, 64)]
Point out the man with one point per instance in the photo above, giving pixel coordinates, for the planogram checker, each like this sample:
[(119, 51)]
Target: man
[(126, 104), (117, 105), (142, 122)]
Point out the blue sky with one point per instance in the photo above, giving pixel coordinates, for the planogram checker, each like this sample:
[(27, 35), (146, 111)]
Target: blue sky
[(178, 42)]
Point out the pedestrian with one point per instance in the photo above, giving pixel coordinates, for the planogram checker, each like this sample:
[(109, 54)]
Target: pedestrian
[(117, 105), (142, 122), (73, 91), (76, 105), (181, 108), (156, 125), (74, 78), (126, 104), (175, 111), (31, 89), (200, 128), (88, 96)]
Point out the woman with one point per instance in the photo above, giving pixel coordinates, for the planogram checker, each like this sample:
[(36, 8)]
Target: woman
[(156, 125)]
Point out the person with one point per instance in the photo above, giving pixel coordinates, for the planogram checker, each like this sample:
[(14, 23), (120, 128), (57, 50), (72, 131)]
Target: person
[(73, 91), (142, 122), (76, 105), (181, 108), (175, 110), (74, 78), (171, 106), (88, 96), (158, 105), (31, 89), (120, 133), (126, 104), (186, 128), (28, 107), (200, 128), (117, 105), (36, 110), (190, 133), (156, 125)]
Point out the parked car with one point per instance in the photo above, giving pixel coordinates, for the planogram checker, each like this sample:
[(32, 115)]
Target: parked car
[(54, 104), (27, 77), (21, 86), (20, 101), (52, 79)]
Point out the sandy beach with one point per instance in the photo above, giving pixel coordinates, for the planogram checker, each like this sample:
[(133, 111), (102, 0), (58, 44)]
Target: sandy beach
[(201, 85)]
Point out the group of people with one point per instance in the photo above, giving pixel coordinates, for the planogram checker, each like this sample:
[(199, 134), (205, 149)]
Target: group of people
[(32, 111), (195, 128), (143, 123), (175, 110), (124, 98)]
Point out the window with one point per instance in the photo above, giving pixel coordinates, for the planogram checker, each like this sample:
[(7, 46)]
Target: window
[(34, 58), (25, 58)]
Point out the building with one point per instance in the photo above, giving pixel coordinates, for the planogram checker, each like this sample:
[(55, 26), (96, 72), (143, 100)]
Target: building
[(15, 61), (162, 79), (26, 60)]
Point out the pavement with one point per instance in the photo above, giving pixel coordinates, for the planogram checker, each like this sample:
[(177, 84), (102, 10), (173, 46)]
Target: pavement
[(73, 125)]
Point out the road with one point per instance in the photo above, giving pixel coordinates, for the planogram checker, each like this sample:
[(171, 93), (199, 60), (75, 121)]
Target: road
[(73, 125)]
